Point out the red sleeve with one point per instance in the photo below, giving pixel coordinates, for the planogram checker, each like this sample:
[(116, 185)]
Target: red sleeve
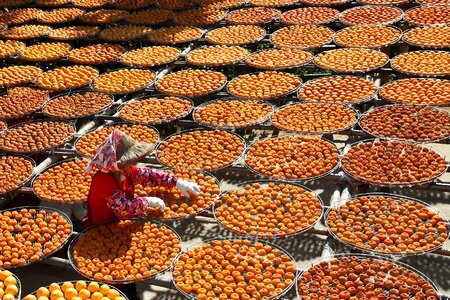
[(103, 185), (149, 177)]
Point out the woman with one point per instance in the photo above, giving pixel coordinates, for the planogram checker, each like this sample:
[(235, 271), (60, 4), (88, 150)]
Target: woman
[(111, 194)]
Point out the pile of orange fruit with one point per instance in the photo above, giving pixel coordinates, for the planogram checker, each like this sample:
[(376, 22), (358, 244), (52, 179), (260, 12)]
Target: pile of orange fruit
[(72, 106), (234, 269), (200, 149), (235, 35), (292, 157), (123, 33), (132, 4), (417, 91), (283, 58), (14, 170), (11, 287), (25, 32), (217, 55), (150, 56), (202, 16), (221, 4), (302, 37), (31, 234), (73, 33), (430, 63), (428, 36), (429, 15), (232, 113), (175, 4), (66, 78), (90, 3), (96, 54), (191, 83), (268, 210), (20, 101), (132, 250), (338, 89), (351, 60), (263, 85), (9, 48), (393, 163), (324, 2), (150, 16), (309, 15), (123, 81), (177, 205), (175, 34), (36, 136), (371, 15), (383, 2), (44, 52), (14, 3), (51, 3), (64, 183), (346, 276), (18, 75), (103, 16), (314, 118), (20, 15), (60, 15), (387, 224), (89, 142), (417, 123), (252, 16), (430, 2), (367, 36), (68, 290), (155, 110), (271, 3)]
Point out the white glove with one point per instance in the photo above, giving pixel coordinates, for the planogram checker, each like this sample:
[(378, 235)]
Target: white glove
[(155, 202), (187, 187)]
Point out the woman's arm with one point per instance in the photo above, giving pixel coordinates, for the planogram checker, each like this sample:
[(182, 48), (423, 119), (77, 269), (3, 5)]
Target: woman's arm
[(149, 177), (124, 208)]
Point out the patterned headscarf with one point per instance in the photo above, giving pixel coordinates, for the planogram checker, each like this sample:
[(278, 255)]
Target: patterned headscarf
[(105, 155)]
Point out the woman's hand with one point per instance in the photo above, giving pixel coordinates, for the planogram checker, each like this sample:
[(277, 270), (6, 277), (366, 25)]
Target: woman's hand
[(155, 202), (187, 188)]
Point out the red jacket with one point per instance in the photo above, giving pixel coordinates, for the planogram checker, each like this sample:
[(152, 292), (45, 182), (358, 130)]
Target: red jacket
[(103, 185)]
